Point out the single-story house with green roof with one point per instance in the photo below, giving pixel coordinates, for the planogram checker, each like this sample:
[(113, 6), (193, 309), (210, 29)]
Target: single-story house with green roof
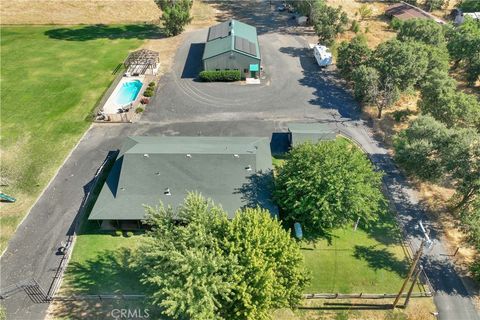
[(313, 132), (234, 172), (232, 45)]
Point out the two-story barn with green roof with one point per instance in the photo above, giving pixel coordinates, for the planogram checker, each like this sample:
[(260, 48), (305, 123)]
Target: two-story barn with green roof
[(233, 171), (232, 45)]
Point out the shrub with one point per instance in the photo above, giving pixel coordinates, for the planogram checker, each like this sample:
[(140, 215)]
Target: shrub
[(401, 115), (365, 11), (355, 26), (139, 110), (151, 84), (223, 75), (396, 23), (129, 234), (118, 233), (144, 101), (475, 268), (148, 93)]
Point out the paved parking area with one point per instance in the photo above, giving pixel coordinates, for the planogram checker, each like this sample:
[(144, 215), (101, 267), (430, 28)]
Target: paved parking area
[(295, 87)]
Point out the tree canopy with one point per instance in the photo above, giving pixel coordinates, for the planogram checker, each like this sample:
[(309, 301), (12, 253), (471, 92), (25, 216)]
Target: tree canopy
[(328, 21), (431, 151), (406, 63), (352, 54), (175, 15), (200, 265), (328, 185), (441, 99), (422, 30), (464, 47)]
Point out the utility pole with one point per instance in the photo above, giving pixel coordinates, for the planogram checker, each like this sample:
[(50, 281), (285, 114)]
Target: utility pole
[(416, 259), (417, 275)]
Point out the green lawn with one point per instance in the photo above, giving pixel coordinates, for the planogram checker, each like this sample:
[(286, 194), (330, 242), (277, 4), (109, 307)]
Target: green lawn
[(367, 260), (51, 79), (101, 263), (355, 262)]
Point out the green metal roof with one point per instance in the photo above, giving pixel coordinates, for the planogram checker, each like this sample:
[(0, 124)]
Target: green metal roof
[(217, 167), (231, 35), (313, 132)]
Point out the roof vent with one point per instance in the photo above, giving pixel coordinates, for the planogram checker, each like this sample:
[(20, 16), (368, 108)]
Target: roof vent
[(157, 173), (188, 155), (146, 155), (248, 168), (236, 156), (122, 188), (167, 192)]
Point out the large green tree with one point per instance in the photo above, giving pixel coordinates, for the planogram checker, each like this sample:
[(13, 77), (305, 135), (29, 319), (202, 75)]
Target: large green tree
[(200, 265), (423, 30), (366, 80), (352, 54), (441, 99), (464, 47), (405, 63), (371, 89), (328, 21), (430, 150), (175, 15), (421, 147), (328, 185)]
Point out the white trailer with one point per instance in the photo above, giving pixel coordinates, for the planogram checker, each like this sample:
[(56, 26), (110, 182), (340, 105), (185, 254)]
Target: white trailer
[(323, 55)]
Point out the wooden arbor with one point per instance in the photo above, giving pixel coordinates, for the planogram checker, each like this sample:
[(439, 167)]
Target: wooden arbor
[(140, 61)]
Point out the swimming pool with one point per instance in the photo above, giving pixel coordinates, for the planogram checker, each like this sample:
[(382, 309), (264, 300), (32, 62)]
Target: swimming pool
[(128, 92)]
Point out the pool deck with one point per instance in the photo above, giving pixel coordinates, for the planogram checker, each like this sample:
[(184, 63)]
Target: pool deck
[(111, 107)]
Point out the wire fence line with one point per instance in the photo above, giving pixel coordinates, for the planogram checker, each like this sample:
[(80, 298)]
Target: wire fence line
[(363, 295), (99, 297)]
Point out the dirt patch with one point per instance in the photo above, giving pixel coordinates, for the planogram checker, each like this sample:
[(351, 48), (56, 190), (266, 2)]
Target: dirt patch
[(78, 11), (418, 309), (376, 28), (203, 14)]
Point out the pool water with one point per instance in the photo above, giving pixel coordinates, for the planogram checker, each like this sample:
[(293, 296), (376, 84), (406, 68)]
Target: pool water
[(128, 92)]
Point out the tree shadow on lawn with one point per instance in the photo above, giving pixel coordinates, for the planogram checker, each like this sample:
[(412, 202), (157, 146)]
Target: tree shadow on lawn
[(385, 230), (381, 259), (100, 309), (101, 31), (110, 272)]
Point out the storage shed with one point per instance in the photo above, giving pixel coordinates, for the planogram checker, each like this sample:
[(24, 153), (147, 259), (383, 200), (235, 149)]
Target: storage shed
[(312, 132), (232, 45), (405, 11)]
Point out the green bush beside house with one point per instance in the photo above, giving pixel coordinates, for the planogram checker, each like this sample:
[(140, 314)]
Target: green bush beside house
[(222, 76)]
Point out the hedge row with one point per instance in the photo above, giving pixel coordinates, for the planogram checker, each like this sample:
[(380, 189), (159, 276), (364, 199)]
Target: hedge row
[(223, 75)]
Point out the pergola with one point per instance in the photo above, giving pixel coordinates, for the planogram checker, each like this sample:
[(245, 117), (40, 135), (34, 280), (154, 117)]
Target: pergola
[(140, 61)]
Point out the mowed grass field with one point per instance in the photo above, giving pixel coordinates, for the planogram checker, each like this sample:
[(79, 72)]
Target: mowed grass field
[(51, 79), (355, 262), (100, 263)]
